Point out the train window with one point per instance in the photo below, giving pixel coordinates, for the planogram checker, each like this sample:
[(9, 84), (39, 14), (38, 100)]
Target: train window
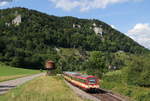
[(92, 80)]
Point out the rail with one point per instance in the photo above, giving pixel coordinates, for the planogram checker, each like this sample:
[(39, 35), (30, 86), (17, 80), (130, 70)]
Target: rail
[(105, 95)]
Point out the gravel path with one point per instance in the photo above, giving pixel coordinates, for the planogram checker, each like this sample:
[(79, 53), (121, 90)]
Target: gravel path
[(7, 85), (81, 93)]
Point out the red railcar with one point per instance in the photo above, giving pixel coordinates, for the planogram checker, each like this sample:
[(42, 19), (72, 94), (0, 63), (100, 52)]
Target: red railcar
[(85, 82)]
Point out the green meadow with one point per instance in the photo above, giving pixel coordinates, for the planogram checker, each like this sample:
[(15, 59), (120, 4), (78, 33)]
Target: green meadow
[(8, 72)]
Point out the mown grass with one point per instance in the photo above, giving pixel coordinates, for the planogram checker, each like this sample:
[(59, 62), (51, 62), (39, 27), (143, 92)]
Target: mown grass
[(8, 72), (69, 51), (115, 81), (43, 88)]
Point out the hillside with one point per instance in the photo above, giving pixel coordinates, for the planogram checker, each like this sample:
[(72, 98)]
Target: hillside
[(65, 32), (28, 37)]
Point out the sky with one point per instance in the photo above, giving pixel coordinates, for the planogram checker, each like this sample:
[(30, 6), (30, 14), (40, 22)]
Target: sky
[(131, 17)]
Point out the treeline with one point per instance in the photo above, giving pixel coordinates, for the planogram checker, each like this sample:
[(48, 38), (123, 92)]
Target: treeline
[(94, 62)]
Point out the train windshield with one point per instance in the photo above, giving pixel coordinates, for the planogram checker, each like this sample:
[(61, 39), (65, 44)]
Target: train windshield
[(92, 80)]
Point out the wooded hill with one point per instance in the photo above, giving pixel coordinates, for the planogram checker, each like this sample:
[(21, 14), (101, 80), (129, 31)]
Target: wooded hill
[(32, 38)]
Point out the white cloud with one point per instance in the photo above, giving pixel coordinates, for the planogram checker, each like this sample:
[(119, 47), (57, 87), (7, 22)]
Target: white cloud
[(141, 33), (85, 5), (65, 4), (4, 2)]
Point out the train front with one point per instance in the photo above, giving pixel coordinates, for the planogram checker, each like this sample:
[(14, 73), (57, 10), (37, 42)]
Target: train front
[(93, 83)]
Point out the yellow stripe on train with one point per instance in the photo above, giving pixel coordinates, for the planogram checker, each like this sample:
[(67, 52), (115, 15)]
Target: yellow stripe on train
[(76, 82)]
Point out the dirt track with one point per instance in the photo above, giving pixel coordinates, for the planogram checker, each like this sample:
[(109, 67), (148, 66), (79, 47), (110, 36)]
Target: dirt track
[(7, 85)]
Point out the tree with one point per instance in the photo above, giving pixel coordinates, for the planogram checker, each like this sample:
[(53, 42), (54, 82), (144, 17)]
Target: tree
[(96, 64)]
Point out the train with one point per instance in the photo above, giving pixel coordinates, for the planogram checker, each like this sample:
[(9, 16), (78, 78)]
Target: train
[(85, 82)]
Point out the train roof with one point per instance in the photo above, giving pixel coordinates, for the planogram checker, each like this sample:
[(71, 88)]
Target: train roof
[(78, 75)]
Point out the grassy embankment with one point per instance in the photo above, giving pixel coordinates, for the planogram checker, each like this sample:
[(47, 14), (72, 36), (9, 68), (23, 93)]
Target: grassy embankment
[(115, 81), (43, 88), (8, 73)]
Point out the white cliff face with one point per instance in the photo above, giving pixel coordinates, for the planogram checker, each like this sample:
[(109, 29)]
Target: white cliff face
[(94, 24), (76, 26), (79, 26), (7, 24), (57, 49), (98, 30), (17, 20)]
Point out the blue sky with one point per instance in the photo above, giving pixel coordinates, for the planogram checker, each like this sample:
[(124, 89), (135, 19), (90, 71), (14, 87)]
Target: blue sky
[(128, 16)]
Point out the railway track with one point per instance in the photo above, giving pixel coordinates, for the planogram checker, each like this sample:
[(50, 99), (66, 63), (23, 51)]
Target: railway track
[(104, 95), (99, 95)]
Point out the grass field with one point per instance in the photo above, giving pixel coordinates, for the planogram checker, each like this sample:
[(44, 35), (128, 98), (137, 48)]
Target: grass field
[(43, 88), (114, 81), (7, 72)]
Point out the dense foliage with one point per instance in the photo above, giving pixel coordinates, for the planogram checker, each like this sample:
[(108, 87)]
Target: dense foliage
[(96, 64), (32, 42), (138, 72), (116, 82)]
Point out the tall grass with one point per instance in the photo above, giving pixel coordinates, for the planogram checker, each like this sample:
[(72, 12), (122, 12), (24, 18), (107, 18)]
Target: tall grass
[(42, 89)]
